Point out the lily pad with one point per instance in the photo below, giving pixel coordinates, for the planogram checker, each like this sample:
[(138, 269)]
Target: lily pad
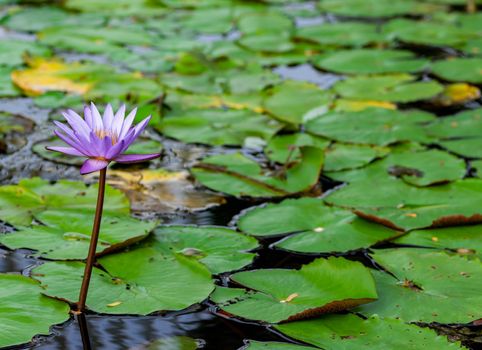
[(341, 34), (350, 332), (19, 203), (270, 43), (340, 156), (378, 8), (219, 127), (297, 102), (318, 228), (459, 69), (140, 281), (466, 124), (276, 295), (464, 240), (24, 311), (376, 126), (415, 167), (13, 52), (429, 286), (66, 234), (264, 22), (400, 88), (219, 248), (238, 175), (402, 206), (257, 345), (370, 61), (286, 148)]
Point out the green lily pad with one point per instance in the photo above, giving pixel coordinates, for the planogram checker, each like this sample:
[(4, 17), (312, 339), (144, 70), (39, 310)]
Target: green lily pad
[(402, 206), (33, 19), (238, 175), (7, 87), (257, 345), (429, 286), (66, 235), (219, 126), (378, 8), (24, 311), (341, 34), (219, 248), (427, 33), (276, 295), (19, 203), (140, 281), (465, 124), (340, 156), (319, 228), (285, 148), (370, 61), (350, 332), (120, 8), (12, 52), (374, 126), (459, 69), (296, 102), (178, 342), (264, 22), (415, 167), (464, 240), (400, 88), (270, 42)]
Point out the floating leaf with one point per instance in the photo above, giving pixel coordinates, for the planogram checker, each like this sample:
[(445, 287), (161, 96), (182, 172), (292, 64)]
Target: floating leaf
[(12, 52), (416, 167), (238, 175), (257, 345), (142, 280), (341, 156), (219, 248), (464, 240), (24, 311), (378, 8), (341, 34), (399, 88), (375, 126), (459, 69), (297, 102), (370, 61), (325, 285), (457, 94), (402, 206), (350, 332), (218, 126), (318, 228), (429, 286), (31, 196), (66, 235), (286, 148)]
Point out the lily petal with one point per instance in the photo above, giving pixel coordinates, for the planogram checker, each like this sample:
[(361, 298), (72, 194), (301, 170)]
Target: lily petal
[(127, 123), (67, 150), (98, 123), (118, 121), (108, 117), (136, 158), (91, 165), (89, 119)]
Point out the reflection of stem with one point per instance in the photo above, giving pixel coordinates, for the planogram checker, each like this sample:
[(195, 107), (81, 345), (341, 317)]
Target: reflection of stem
[(84, 331), (471, 6), (93, 243)]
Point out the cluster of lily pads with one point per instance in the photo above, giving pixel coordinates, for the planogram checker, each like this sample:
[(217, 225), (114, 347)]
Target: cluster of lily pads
[(215, 73)]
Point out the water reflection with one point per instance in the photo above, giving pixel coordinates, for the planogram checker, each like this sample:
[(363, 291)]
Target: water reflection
[(306, 72), (130, 332), (14, 261)]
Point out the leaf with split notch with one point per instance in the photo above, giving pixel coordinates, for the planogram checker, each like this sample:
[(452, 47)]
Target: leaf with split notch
[(406, 207), (296, 102), (66, 235), (219, 248), (464, 240), (24, 311), (416, 167), (350, 332), (370, 61), (319, 228), (429, 286), (340, 156), (140, 281), (277, 295), (20, 202), (238, 175), (376, 126), (218, 126), (286, 148), (400, 88)]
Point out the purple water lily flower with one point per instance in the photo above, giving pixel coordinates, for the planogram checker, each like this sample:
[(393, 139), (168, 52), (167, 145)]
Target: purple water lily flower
[(101, 139)]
